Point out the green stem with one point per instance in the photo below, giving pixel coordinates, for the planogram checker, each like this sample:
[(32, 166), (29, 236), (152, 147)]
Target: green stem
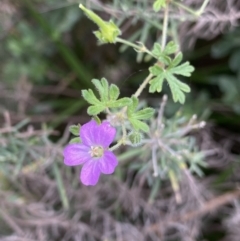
[(122, 141), (143, 85), (135, 46), (113, 148), (165, 27), (123, 41)]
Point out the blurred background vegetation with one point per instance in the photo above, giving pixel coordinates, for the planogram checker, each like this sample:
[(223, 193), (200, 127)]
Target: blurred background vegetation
[(48, 54)]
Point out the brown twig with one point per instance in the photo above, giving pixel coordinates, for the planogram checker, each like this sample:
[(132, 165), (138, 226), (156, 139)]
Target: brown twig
[(208, 207), (11, 223)]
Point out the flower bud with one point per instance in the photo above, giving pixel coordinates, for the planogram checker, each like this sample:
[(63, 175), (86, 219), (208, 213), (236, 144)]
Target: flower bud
[(108, 31), (75, 129), (135, 138)]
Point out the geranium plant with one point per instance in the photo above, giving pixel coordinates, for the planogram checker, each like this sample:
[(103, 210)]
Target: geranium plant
[(166, 145)]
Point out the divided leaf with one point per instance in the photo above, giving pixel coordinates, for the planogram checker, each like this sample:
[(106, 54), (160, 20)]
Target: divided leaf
[(157, 51), (178, 58), (108, 97), (178, 88), (144, 114), (125, 101), (135, 117), (90, 97), (184, 69), (113, 92), (163, 55), (157, 82), (102, 86), (95, 110), (170, 48), (139, 125)]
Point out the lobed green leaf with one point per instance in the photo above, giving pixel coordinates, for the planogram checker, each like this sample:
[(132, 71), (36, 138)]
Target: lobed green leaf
[(113, 92), (170, 48), (131, 108), (120, 103), (144, 114), (139, 125), (90, 97), (177, 88), (95, 109), (157, 50), (155, 70), (165, 59), (156, 84), (178, 58), (105, 85), (184, 69), (98, 86), (108, 97)]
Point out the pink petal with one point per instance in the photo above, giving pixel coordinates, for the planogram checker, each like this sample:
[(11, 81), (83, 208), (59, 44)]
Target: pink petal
[(87, 132), (108, 163), (76, 154), (90, 173), (93, 134)]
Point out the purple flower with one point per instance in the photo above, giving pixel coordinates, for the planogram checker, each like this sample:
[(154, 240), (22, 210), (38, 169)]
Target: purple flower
[(93, 152)]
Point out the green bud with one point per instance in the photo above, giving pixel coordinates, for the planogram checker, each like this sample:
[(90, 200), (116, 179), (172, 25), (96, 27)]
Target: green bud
[(108, 31), (135, 138), (96, 118), (75, 129), (75, 140)]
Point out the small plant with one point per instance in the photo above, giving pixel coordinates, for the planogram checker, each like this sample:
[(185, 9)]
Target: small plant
[(166, 145)]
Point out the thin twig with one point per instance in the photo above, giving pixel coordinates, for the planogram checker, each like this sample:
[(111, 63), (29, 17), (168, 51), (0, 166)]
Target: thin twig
[(209, 206), (11, 223)]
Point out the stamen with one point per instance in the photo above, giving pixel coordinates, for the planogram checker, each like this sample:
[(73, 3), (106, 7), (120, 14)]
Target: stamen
[(96, 151)]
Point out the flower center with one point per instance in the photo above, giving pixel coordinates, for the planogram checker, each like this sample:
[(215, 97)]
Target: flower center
[(96, 151)]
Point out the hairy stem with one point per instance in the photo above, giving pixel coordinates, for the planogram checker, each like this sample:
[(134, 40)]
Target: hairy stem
[(113, 148), (143, 85), (140, 47), (123, 41), (165, 27), (122, 141)]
